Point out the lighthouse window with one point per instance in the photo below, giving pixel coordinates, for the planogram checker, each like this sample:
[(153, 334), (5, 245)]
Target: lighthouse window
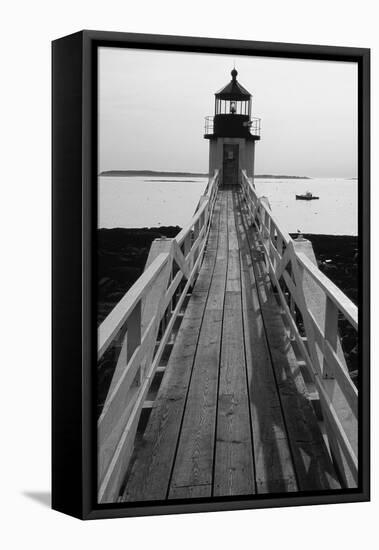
[(230, 106)]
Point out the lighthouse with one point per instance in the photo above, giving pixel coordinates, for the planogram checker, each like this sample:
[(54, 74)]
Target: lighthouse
[(232, 133)]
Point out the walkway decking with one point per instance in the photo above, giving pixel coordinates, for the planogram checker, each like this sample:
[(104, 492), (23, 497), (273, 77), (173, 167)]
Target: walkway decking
[(232, 414)]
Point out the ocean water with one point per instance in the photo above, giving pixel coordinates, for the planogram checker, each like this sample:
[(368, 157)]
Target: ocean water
[(148, 202), (335, 213)]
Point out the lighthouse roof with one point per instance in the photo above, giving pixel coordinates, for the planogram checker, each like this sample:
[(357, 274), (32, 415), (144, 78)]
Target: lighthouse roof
[(234, 90)]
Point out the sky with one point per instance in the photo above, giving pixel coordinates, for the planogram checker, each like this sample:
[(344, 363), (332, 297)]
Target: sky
[(152, 106)]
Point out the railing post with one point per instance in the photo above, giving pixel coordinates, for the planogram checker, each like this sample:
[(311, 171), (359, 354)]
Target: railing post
[(293, 312), (202, 219), (271, 244), (152, 301), (198, 226), (331, 333), (255, 205), (187, 245), (265, 228), (134, 334), (297, 275), (279, 245), (196, 230)]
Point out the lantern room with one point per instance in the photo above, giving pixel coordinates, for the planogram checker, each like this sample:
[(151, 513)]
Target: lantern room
[(232, 116), (233, 99)]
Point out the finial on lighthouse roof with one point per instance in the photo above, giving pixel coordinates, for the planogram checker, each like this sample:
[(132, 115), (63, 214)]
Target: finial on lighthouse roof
[(233, 90)]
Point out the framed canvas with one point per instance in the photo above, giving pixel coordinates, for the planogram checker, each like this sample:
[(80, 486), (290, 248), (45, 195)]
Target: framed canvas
[(210, 274)]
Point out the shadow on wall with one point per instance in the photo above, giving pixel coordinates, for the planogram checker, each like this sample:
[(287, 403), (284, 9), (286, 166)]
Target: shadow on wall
[(41, 497)]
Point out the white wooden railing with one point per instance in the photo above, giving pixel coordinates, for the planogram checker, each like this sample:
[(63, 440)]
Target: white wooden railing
[(138, 329), (300, 284)]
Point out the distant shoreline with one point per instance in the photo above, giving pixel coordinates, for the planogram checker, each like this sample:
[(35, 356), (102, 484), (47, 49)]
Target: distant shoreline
[(127, 173), (282, 177), (123, 173)]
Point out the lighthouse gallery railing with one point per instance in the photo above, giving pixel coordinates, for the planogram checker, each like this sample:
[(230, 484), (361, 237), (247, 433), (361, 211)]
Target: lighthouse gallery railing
[(139, 327), (253, 125), (294, 275)]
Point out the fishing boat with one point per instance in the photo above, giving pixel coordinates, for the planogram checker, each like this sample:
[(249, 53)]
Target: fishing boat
[(307, 197)]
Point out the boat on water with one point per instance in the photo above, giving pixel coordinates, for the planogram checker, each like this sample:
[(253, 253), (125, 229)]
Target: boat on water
[(306, 197)]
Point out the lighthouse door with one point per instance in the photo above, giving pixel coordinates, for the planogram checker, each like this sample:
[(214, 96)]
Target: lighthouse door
[(230, 164)]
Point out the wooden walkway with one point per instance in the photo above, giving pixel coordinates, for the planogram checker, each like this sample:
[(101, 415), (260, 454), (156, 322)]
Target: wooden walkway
[(232, 415)]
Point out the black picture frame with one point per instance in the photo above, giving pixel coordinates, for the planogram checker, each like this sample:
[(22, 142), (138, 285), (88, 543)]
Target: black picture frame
[(74, 152)]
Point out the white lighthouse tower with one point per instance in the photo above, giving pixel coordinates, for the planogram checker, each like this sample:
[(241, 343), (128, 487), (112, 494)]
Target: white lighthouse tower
[(232, 133)]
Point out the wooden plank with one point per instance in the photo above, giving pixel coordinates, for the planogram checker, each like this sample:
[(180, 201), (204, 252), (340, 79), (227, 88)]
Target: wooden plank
[(194, 460), (314, 468), (234, 466), (232, 231), (274, 470), (151, 471), (233, 281), (193, 468)]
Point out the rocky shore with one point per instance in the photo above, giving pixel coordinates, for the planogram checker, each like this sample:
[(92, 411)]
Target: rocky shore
[(122, 255)]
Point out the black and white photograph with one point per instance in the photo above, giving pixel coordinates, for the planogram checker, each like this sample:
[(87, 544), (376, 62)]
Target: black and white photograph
[(187, 255), (227, 277)]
